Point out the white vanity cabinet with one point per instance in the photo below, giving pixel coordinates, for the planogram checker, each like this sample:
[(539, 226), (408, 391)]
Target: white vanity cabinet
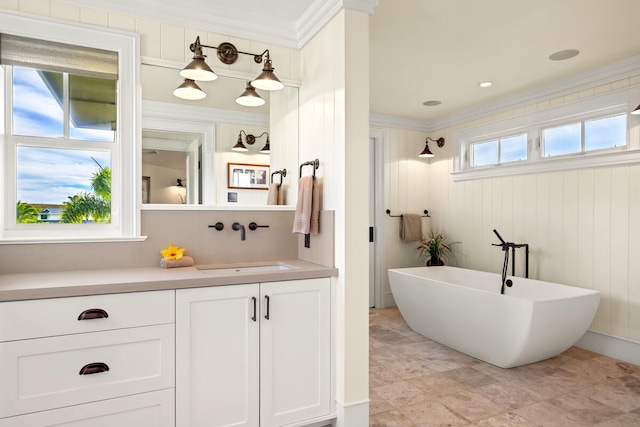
[(95, 360), (253, 355)]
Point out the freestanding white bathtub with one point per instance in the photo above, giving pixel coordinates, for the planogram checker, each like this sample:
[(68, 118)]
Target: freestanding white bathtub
[(464, 310)]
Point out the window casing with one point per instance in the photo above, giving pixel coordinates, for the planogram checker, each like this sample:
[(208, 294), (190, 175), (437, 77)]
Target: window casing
[(120, 149), (587, 133)]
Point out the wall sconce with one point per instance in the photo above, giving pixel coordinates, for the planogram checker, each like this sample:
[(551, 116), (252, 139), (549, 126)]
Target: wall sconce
[(251, 139), (198, 70), (637, 110), (426, 152), (179, 182)]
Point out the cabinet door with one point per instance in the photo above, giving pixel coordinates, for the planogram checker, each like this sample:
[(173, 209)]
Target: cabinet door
[(295, 349), (154, 409), (217, 356)]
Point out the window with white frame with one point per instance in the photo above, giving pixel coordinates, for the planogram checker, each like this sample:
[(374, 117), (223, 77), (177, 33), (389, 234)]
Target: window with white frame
[(500, 150), (69, 125), (600, 133), (586, 133)]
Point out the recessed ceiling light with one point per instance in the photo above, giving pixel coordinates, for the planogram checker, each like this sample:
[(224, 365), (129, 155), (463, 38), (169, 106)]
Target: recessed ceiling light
[(431, 103), (564, 54), (486, 84)]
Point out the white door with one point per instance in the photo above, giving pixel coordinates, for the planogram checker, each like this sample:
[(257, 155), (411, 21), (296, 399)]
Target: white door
[(217, 356), (295, 351)]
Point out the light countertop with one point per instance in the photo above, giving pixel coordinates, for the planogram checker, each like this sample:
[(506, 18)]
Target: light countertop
[(94, 282)]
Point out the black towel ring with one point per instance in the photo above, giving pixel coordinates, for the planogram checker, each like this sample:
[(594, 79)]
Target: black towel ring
[(282, 174), (315, 163)]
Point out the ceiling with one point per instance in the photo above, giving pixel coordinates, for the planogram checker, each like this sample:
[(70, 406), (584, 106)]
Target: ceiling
[(424, 50)]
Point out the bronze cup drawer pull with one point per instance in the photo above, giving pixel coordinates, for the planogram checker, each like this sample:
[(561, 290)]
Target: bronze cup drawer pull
[(94, 368), (93, 313)]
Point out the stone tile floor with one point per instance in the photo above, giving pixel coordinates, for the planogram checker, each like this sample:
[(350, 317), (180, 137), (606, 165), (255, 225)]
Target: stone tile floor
[(417, 382)]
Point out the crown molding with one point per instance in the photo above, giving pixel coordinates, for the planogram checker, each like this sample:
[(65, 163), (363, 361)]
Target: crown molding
[(586, 80), (233, 22), (625, 68), (387, 121), (322, 11)]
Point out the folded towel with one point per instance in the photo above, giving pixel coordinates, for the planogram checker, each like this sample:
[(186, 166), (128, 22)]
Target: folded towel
[(185, 261), (410, 227), (275, 194), (306, 218)]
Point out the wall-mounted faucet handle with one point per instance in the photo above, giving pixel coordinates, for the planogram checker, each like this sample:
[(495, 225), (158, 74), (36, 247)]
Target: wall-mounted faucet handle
[(237, 226), (218, 226), (253, 226)]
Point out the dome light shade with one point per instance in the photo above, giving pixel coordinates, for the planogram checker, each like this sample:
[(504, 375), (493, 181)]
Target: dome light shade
[(189, 90), (198, 70), (267, 80), (250, 97)]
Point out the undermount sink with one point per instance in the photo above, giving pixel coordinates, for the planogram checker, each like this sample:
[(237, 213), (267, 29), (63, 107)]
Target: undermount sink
[(249, 268)]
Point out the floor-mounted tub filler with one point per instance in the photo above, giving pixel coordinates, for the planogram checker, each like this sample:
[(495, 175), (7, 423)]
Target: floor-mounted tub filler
[(464, 310)]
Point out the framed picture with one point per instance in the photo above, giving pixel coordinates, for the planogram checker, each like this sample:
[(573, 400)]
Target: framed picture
[(249, 177), (146, 189)]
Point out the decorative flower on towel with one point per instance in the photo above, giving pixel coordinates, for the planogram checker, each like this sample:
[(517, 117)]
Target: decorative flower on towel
[(173, 252)]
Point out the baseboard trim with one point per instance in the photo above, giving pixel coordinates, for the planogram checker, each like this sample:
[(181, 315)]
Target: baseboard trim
[(611, 346), (389, 301), (352, 415)]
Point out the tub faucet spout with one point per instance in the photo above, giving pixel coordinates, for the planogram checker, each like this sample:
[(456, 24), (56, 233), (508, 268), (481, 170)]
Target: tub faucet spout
[(513, 246), (237, 226)]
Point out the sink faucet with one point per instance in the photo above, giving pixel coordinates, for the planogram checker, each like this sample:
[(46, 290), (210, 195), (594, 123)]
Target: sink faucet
[(237, 226)]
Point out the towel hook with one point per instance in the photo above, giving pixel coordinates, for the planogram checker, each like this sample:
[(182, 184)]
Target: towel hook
[(315, 163)]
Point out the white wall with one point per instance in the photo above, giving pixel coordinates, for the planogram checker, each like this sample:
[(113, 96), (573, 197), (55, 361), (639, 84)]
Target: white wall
[(581, 224), (226, 137), (406, 181), (334, 127)]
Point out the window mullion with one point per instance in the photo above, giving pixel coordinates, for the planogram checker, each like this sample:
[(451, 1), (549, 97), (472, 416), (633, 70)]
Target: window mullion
[(65, 104)]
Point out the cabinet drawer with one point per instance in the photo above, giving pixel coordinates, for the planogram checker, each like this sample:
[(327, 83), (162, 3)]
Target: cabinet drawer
[(60, 316), (44, 373), (155, 409)]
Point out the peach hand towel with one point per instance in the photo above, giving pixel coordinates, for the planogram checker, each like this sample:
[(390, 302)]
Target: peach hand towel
[(274, 194), (306, 218), (185, 261), (410, 227)]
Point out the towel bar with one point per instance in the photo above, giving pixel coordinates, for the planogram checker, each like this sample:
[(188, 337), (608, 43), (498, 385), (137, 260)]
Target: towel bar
[(315, 163), (426, 214)]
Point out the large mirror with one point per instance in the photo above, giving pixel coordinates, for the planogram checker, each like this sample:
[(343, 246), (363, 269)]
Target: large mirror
[(187, 155)]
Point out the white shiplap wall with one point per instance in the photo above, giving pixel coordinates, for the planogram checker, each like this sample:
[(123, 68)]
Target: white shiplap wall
[(582, 225)]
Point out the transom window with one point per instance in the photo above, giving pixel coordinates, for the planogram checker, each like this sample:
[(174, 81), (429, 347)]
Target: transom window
[(589, 135), (592, 132), (500, 150)]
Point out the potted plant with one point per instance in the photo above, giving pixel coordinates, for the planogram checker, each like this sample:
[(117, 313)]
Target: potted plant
[(435, 248)]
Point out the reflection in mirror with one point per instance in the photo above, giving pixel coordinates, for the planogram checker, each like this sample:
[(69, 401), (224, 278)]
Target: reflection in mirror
[(216, 122), (171, 161)]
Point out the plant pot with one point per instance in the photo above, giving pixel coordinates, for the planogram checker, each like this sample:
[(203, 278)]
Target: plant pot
[(433, 261)]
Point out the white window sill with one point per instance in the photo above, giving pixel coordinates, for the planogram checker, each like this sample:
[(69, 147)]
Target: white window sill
[(550, 165), (41, 240)]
